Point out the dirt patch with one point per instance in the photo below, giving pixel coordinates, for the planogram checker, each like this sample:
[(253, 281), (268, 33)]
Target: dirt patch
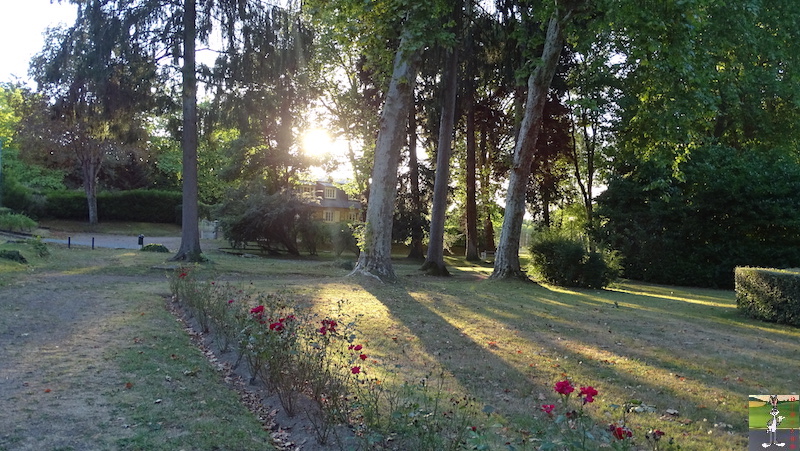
[(55, 378)]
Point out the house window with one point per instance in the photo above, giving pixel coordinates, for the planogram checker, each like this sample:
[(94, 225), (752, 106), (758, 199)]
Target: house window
[(330, 193), (352, 216), (327, 216)]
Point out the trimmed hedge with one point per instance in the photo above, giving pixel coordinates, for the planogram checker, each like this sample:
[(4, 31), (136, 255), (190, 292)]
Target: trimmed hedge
[(135, 205), (768, 294)]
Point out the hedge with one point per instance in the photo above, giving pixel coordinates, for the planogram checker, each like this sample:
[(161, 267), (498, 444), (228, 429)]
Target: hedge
[(768, 294), (134, 205)]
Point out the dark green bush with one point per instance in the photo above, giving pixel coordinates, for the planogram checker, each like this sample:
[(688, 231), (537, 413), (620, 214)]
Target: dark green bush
[(566, 261), (769, 294), (273, 221), (693, 224), (13, 256), (153, 247), (135, 205)]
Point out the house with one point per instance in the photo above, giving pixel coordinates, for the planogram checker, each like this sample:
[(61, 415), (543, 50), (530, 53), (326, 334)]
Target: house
[(330, 203)]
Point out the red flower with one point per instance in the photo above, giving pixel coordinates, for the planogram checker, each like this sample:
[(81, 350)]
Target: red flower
[(230, 301), (358, 347), (548, 408), (620, 432), (277, 327), (588, 394), (355, 369), (564, 387), (257, 310), (182, 275), (328, 325), (363, 357)]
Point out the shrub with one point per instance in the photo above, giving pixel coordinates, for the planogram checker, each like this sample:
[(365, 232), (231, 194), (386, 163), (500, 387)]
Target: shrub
[(768, 294), (274, 221), (13, 256), (566, 261), (16, 222), (343, 238), (694, 223), (153, 247), (135, 205), (39, 246)]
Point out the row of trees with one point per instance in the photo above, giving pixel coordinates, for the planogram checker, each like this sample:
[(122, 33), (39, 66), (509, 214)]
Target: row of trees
[(542, 100)]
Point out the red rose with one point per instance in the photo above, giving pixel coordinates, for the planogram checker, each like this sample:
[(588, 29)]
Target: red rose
[(620, 432), (588, 394), (257, 310), (564, 387), (363, 357), (548, 408), (355, 369)]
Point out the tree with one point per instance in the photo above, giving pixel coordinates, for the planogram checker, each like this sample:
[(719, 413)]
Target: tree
[(434, 261), (375, 258), (97, 83), (507, 257), (190, 231)]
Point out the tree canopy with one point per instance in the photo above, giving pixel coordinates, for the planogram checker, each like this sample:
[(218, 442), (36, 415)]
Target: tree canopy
[(679, 111)]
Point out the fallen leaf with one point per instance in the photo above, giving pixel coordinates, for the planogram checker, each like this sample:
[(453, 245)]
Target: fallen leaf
[(47, 390), (129, 385)]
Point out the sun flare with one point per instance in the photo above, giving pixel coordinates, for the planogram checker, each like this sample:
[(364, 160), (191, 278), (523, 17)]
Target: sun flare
[(316, 142)]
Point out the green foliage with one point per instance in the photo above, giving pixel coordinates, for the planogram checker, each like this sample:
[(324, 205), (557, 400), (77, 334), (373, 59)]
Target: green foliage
[(134, 205), (16, 222), (565, 261), (344, 237), (273, 221), (39, 246), (769, 294), (727, 209), (13, 255), (153, 247)]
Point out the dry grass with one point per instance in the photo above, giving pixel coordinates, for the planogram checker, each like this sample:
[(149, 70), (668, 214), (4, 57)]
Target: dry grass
[(507, 343)]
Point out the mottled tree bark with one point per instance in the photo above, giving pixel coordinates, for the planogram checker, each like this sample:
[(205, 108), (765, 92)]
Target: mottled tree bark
[(375, 260), (506, 263)]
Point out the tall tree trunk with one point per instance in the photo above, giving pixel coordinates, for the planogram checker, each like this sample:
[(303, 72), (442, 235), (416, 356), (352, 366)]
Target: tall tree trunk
[(190, 231), (471, 252), (434, 262), (472, 205), (375, 260), (415, 250), (90, 168), (486, 195), (506, 263)]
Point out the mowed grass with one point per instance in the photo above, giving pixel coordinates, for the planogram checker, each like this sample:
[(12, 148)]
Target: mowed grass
[(506, 343)]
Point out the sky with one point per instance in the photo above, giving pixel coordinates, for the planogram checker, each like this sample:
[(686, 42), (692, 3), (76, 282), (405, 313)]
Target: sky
[(21, 32)]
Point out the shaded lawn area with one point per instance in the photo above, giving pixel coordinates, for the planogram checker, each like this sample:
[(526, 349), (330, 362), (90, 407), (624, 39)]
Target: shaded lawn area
[(507, 343)]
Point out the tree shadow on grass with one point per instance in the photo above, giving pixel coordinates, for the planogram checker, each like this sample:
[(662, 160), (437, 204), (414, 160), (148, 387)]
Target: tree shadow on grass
[(676, 351)]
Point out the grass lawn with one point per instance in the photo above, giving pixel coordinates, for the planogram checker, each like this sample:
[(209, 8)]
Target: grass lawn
[(505, 344)]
